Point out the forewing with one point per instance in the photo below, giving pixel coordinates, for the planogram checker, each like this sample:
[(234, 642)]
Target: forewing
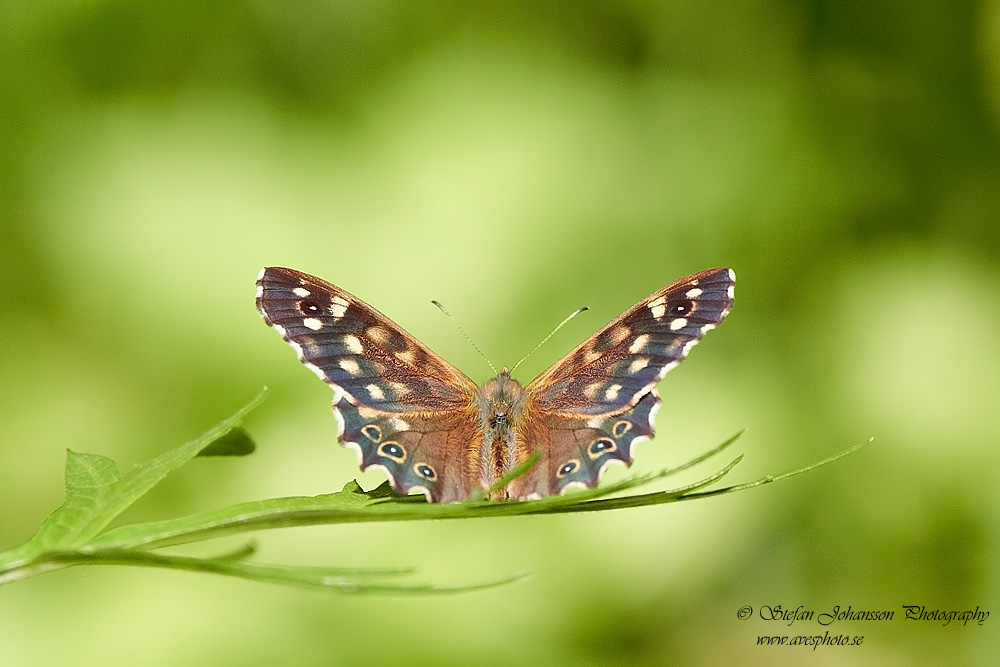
[(356, 349), (620, 364)]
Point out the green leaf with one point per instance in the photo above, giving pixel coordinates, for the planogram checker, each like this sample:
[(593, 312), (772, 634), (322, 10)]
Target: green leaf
[(353, 505), (237, 442), (341, 579), (96, 493)]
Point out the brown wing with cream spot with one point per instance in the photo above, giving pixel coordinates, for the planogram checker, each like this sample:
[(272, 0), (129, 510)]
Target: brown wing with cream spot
[(590, 409), (613, 369), (575, 451), (357, 349), (436, 453)]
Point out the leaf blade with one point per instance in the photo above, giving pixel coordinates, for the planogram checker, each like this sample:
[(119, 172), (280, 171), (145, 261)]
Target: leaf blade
[(96, 492)]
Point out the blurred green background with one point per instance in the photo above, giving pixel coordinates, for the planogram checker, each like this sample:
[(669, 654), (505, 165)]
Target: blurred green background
[(514, 160)]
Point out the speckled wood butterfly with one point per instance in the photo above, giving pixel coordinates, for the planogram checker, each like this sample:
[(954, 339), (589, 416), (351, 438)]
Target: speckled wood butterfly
[(430, 428)]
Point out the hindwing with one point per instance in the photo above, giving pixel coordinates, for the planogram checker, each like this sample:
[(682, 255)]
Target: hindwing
[(435, 453), (575, 452)]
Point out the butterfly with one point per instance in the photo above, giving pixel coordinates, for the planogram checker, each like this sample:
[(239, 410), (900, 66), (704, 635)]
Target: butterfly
[(404, 409)]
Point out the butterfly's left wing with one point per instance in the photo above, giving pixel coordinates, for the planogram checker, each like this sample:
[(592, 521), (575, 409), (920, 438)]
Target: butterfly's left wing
[(400, 406), (589, 409)]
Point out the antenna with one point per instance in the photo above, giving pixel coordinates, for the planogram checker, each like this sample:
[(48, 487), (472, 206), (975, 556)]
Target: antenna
[(467, 337), (544, 340)]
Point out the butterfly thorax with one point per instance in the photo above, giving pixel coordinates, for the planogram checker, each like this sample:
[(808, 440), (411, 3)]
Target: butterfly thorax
[(501, 403)]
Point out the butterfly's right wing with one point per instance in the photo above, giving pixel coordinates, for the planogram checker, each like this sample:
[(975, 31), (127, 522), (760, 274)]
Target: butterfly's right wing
[(401, 407), (590, 408)]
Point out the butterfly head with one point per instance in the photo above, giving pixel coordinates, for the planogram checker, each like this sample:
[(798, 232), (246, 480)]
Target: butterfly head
[(501, 403)]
